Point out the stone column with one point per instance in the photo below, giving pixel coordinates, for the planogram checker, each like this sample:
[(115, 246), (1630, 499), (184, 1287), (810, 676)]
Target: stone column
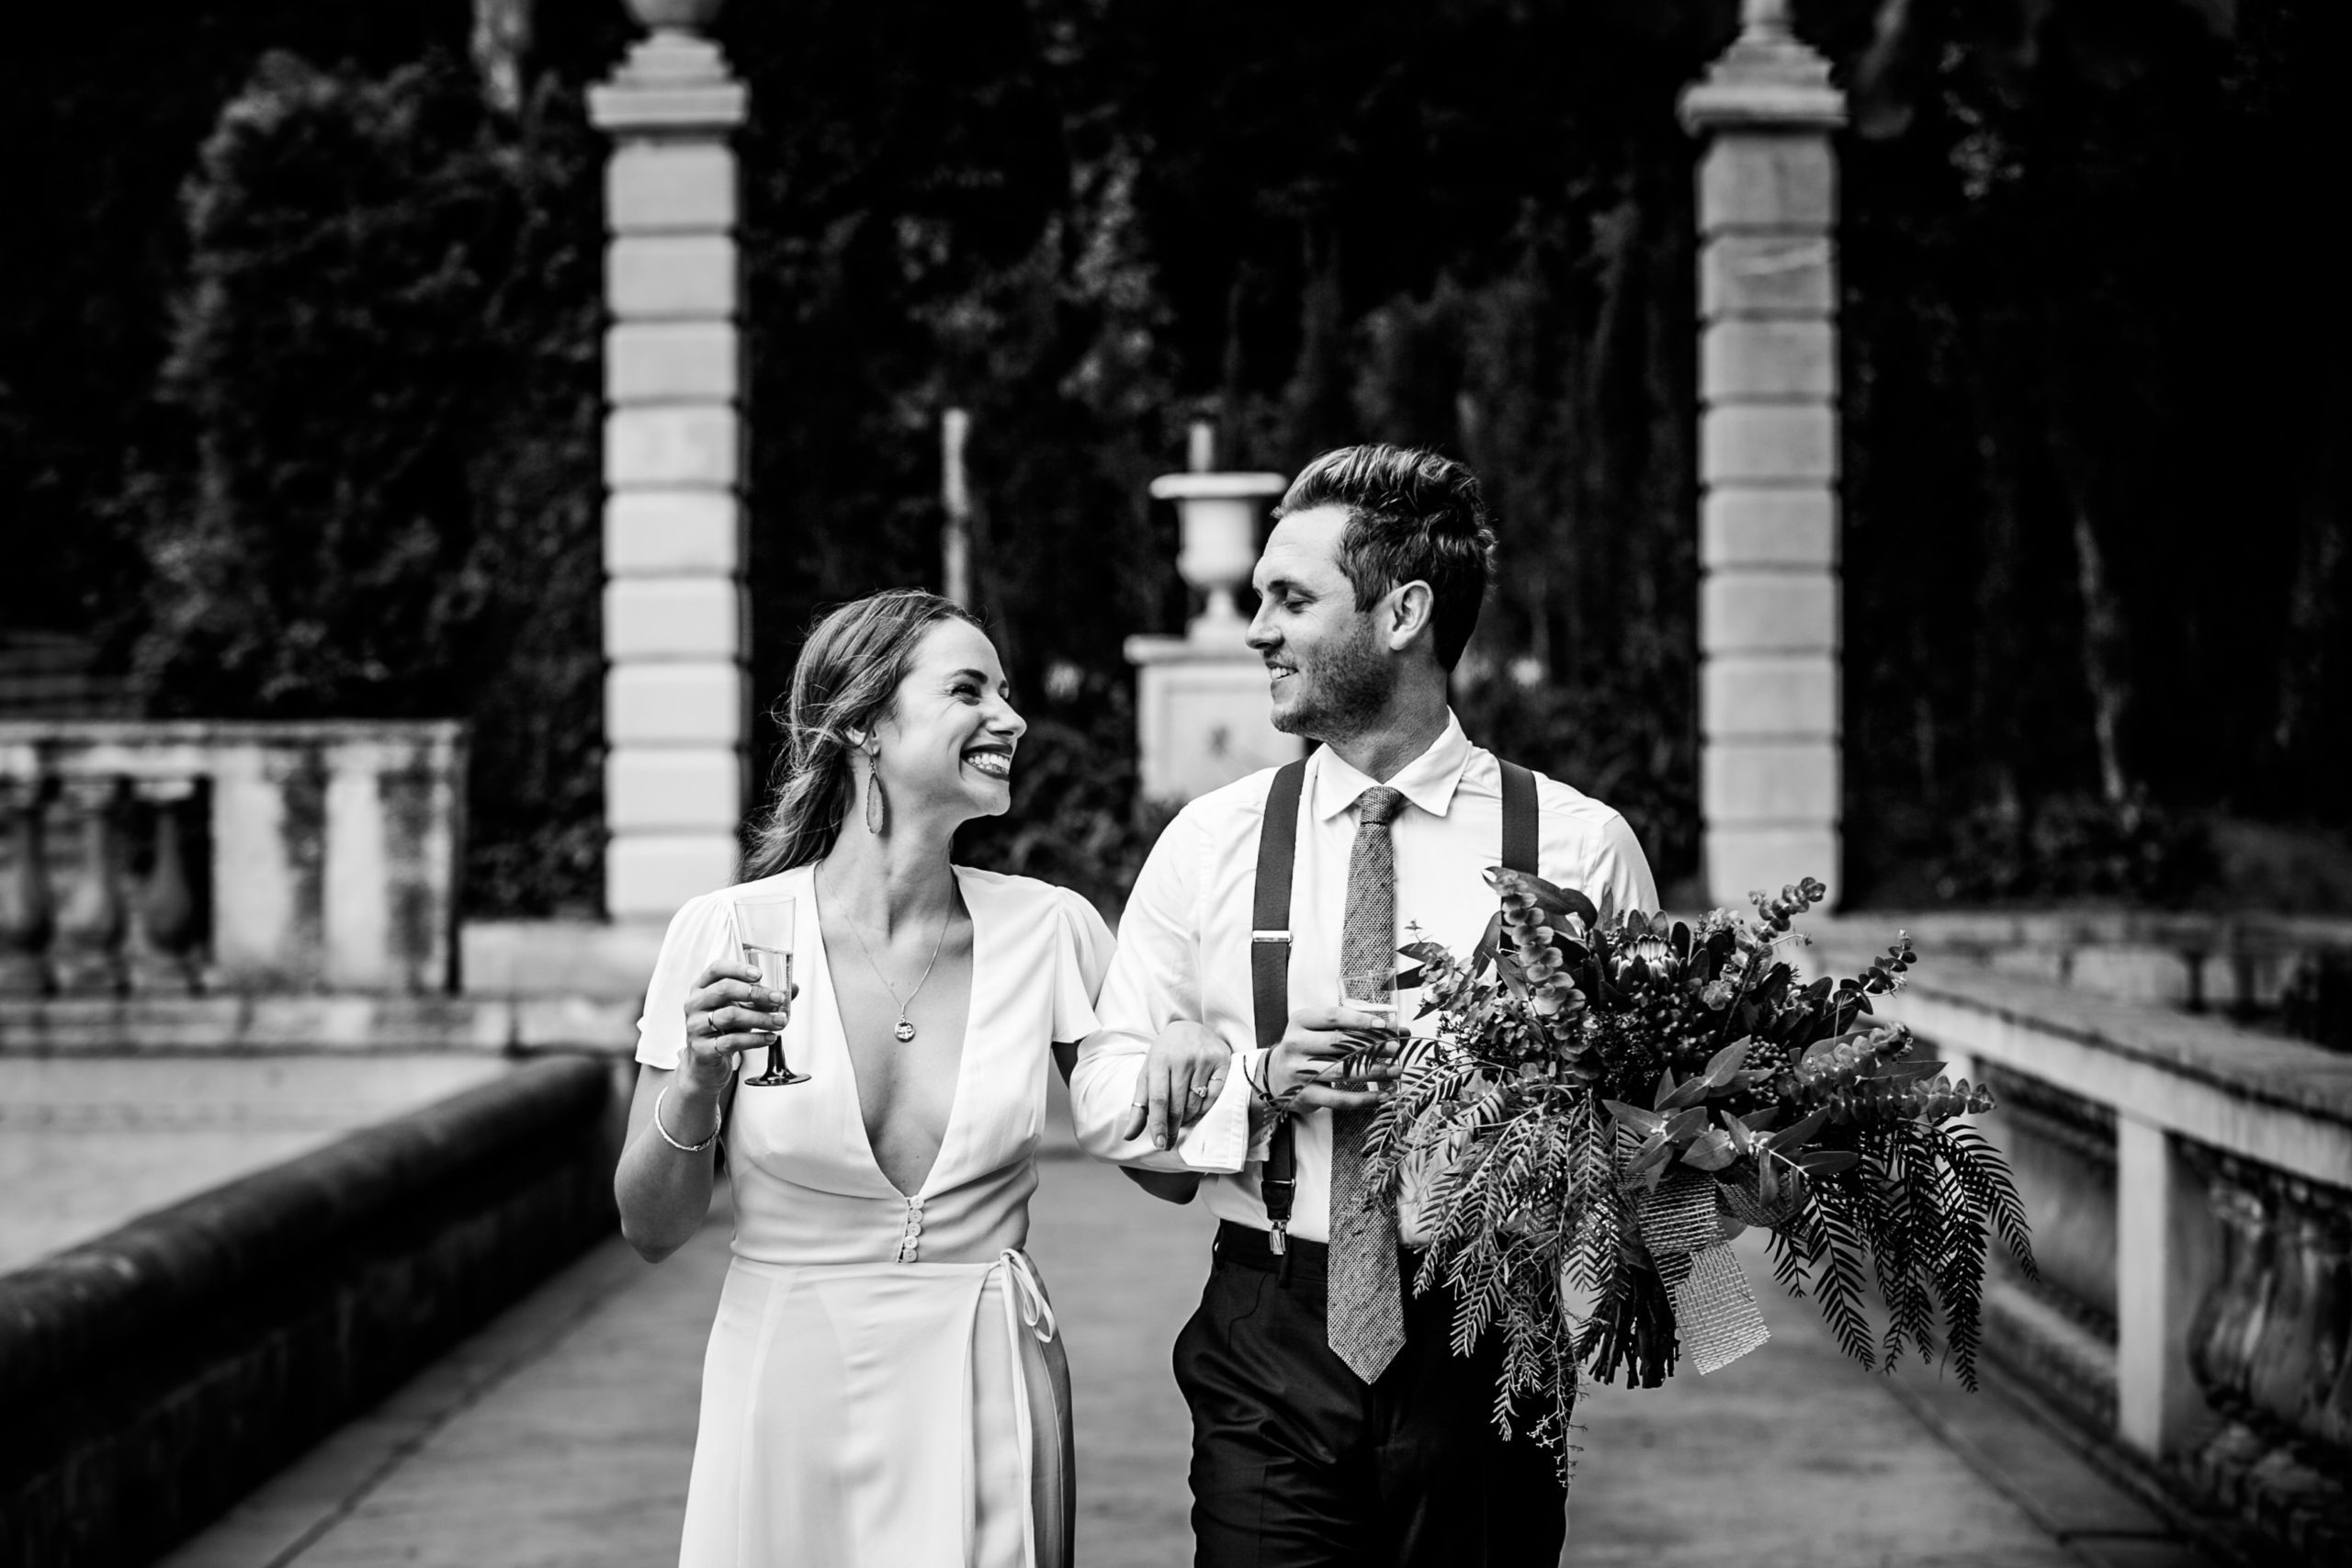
[(2158, 1407), (676, 695), (1768, 437)]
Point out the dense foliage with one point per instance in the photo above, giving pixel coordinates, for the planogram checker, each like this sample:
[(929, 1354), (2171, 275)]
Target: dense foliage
[(2095, 385), (384, 366)]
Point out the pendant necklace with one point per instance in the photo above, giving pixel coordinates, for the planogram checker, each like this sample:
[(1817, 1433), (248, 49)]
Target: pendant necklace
[(905, 1030)]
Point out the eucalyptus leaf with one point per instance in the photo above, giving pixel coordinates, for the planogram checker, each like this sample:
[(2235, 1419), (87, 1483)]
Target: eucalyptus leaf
[(1692, 1092), (1634, 1116), (1711, 1151), (1544, 895), (1651, 1156), (1797, 1131), (1728, 1061), (1686, 1125)]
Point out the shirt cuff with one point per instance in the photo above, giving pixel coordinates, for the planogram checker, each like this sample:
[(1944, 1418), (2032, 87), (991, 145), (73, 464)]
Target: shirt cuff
[(1219, 1142)]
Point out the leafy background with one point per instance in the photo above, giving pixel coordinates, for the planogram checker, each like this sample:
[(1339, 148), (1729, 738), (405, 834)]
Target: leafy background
[(299, 374)]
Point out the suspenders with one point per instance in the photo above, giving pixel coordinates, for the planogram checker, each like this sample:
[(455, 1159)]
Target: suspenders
[(1270, 944)]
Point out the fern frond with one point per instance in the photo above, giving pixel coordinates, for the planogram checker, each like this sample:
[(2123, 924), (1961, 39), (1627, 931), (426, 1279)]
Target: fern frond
[(1959, 1273), (1837, 1263), (1788, 1261)]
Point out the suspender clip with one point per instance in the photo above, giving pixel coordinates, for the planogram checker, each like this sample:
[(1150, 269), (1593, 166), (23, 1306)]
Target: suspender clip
[(1278, 1240)]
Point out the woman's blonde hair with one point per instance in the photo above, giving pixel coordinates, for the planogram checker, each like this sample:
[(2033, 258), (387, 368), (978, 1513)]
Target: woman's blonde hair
[(848, 672)]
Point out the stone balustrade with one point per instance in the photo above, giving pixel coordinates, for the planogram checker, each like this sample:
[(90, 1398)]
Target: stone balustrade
[(2242, 965), (170, 859), (2189, 1184)]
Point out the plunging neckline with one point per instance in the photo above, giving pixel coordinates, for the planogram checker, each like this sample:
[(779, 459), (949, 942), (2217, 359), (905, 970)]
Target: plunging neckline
[(849, 1059)]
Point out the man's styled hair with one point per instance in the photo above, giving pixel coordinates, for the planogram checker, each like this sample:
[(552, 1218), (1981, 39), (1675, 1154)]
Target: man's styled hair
[(1411, 515)]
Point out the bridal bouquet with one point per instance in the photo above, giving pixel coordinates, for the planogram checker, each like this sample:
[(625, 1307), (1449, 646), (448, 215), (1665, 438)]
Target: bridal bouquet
[(1605, 1104)]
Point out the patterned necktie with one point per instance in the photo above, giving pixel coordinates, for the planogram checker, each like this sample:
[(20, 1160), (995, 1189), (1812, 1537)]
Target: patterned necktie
[(1364, 1314)]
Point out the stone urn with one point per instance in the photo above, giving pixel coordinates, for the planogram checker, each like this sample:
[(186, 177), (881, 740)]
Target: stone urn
[(676, 15)]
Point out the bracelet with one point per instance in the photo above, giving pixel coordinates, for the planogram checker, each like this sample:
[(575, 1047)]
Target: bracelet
[(718, 1111), (1264, 1087)]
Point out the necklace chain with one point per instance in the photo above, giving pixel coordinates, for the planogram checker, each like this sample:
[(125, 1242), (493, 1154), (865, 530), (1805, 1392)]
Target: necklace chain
[(904, 1031)]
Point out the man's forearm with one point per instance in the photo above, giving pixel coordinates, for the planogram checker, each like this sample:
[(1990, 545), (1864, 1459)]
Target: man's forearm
[(1102, 1103)]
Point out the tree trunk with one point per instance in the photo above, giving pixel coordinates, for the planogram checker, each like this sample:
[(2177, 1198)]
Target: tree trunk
[(2309, 719), (502, 39), (2106, 651)]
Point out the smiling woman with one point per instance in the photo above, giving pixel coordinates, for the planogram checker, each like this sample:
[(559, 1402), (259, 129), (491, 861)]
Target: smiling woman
[(884, 1382)]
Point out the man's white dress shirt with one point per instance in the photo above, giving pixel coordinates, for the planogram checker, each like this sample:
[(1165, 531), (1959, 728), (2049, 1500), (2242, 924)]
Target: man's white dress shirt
[(1184, 939)]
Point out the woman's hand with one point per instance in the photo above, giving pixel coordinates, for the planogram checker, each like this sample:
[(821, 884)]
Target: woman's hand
[(728, 1013), (1180, 1078)]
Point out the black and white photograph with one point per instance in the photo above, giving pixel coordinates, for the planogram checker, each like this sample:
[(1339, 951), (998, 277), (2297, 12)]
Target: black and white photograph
[(1116, 784)]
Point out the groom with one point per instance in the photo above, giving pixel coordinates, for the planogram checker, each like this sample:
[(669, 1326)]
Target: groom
[(1332, 1424)]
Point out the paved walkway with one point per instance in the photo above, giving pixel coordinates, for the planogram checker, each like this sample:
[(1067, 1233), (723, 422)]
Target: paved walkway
[(559, 1437)]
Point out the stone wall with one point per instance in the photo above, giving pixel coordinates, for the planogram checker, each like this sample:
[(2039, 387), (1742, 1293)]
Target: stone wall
[(153, 1376), (2190, 1187)]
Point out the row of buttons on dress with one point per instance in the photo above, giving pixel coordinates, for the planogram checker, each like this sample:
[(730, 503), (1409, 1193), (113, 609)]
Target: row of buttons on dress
[(911, 1240)]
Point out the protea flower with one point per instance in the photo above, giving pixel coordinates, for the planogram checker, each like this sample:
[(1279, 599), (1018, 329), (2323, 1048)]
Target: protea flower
[(1644, 942)]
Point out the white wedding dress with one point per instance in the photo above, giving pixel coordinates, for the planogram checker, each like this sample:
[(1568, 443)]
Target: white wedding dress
[(885, 1387)]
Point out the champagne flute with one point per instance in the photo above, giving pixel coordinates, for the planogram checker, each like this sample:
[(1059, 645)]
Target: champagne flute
[(764, 933), (1373, 990)]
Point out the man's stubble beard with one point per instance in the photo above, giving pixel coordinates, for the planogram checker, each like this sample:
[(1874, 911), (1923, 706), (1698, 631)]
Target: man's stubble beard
[(1347, 691)]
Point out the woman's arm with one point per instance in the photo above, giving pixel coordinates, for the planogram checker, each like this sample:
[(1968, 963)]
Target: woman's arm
[(664, 1191)]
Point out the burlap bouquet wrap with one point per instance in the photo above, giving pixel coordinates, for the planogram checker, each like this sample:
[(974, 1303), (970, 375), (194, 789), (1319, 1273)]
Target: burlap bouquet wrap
[(1716, 1317)]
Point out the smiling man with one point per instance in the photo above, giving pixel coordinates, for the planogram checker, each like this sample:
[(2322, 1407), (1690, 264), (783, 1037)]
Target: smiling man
[(1331, 1422)]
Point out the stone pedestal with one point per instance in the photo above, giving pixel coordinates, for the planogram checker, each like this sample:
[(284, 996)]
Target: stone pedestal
[(1769, 607), (676, 700), (1201, 709)]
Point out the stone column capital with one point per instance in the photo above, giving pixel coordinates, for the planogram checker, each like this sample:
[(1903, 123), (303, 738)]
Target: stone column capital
[(1768, 80), (673, 84)]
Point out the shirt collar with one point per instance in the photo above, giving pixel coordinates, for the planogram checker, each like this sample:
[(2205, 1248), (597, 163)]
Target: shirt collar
[(1428, 780)]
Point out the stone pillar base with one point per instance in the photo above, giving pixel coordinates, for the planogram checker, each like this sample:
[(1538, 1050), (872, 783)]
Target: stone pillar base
[(1203, 716)]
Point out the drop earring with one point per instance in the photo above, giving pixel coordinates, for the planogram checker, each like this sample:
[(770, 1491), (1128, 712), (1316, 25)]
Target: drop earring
[(878, 806)]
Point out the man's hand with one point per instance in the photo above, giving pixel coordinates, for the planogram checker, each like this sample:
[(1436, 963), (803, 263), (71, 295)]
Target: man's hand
[(1181, 1077), (1308, 1056)]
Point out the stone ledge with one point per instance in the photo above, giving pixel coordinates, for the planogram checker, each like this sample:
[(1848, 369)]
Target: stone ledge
[(155, 1374), (315, 1025), (2256, 1068), (2080, 927)]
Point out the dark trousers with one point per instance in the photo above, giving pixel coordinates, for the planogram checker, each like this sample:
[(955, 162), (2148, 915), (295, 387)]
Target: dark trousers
[(1297, 1461)]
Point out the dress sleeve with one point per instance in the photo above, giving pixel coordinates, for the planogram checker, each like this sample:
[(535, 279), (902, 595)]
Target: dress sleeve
[(1082, 950), (697, 935)]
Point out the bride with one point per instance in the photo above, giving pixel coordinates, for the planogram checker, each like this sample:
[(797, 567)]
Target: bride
[(884, 1384)]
